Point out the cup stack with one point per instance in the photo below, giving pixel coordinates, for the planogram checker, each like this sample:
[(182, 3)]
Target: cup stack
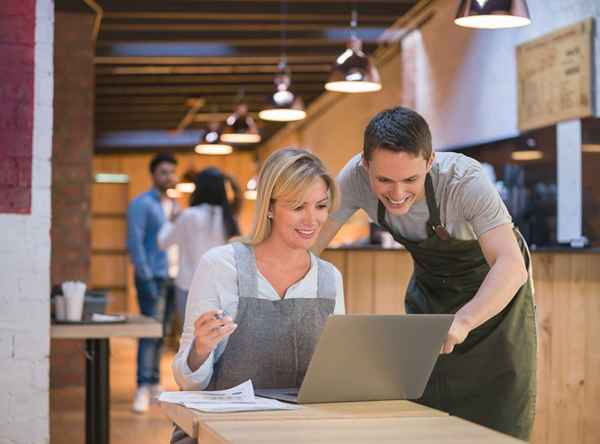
[(74, 294)]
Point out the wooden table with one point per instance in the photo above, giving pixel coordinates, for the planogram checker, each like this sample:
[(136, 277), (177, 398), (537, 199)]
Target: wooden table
[(348, 422), (97, 347)]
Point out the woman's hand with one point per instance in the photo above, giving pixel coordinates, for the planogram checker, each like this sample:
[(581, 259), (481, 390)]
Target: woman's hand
[(209, 329)]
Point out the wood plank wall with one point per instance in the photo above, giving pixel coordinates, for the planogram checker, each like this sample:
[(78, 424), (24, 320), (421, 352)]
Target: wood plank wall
[(109, 261), (568, 315)]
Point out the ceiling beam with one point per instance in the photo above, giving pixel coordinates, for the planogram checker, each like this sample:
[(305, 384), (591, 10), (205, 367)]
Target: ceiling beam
[(245, 17), (170, 108), (244, 60), (209, 45), (362, 32), (196, 89), (222, 79), (231, 69), (228, 99)]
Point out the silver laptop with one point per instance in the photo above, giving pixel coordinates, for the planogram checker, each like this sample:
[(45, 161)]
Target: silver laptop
[(370, 358)]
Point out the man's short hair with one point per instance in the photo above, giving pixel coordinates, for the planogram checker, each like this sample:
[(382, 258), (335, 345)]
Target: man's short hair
[(160, 158), (400, 130)]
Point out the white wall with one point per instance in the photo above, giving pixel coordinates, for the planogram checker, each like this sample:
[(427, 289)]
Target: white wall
[(25, 271), (466, 80)]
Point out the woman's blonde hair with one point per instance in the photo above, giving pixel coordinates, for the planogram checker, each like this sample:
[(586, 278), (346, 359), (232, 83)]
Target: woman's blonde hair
[(287, 174)]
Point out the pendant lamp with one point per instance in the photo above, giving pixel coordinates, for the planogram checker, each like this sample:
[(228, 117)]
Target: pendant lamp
[(250, 193), (284, 105), (211, 144), (353, 71), (492, 14), (240, 127)]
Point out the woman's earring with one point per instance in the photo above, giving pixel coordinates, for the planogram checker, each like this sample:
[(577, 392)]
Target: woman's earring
[(270, 215)]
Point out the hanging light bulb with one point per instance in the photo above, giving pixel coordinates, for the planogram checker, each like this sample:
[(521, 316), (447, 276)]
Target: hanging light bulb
[(353, 71), (251, 191), (284, 105), (492, 14), (210, 143), (240, 127)]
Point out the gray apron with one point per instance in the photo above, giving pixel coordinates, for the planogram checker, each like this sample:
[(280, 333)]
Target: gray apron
[(274, 340), (489, 378)]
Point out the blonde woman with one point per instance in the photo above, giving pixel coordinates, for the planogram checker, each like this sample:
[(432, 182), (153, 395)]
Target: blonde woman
[(256, 307)]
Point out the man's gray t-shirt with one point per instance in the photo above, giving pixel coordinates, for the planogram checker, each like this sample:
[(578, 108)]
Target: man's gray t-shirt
[(469, 203)]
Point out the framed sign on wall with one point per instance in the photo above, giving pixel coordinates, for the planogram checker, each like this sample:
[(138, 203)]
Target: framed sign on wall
[(555, 77)]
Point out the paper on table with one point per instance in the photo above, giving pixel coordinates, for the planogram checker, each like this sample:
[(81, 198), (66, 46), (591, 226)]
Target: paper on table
[(243, 393), (236, 399), (258, 405)]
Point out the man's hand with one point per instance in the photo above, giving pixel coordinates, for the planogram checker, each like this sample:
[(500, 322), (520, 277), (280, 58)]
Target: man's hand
[(458, 332)]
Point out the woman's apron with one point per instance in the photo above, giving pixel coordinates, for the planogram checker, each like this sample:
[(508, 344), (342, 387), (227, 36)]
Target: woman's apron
[(274, 340), (490, 378)]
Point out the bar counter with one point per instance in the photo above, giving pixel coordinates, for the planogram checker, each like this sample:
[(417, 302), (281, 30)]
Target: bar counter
[(567, 294)]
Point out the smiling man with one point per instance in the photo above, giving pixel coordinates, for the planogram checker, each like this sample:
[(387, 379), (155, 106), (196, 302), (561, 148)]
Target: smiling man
[(468, 260)]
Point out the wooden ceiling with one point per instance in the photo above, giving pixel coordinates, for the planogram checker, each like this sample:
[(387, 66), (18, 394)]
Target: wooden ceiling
[(153, 56)]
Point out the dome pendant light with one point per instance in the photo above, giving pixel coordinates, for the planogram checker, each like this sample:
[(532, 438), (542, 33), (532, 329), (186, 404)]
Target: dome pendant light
[(284, 105), (210, 143), (240, 127), (353, 71), (492, 14)]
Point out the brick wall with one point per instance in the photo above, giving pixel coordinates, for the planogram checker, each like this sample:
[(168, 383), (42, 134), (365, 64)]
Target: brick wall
[(17, 24), (24, 238), (73, 138)]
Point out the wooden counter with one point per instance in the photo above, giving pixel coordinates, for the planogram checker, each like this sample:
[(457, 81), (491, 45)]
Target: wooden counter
[(567, 292), (348, 422)]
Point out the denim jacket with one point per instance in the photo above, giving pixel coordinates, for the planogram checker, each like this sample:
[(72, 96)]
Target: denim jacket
[(145, 217)]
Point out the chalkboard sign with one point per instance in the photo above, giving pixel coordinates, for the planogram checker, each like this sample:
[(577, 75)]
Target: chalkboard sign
[(555, 77)]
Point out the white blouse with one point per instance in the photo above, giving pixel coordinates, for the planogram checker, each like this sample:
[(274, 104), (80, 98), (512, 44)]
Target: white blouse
[(196, 230), (214, 287)]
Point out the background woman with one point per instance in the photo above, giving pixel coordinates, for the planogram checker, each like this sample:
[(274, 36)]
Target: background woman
[(208, 222)]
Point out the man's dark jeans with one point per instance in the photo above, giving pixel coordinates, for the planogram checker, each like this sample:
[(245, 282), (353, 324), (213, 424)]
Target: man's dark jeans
[(156, 303)]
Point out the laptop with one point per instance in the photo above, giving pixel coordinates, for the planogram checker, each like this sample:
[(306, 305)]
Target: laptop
[(370, 358)]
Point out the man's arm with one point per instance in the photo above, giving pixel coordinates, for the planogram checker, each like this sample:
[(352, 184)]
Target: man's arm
[(507, 274), (136, 225), (327, 233)]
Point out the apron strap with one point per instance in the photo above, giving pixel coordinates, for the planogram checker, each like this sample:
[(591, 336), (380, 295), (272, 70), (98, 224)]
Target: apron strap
[(325, 280), (246, 270), (434, 224)]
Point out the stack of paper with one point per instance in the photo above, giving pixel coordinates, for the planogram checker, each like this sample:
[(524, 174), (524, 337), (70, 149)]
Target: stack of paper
[(237, 399)]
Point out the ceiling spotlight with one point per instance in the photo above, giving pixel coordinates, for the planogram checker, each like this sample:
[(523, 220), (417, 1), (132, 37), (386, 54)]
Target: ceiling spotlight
[(492, 14)]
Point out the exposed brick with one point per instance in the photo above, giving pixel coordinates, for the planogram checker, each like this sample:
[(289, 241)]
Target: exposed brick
[(18, 88), (20, 8), (15, 143), (24, 171), (9, 174), (16, 58), (20, 30), (15, 199)]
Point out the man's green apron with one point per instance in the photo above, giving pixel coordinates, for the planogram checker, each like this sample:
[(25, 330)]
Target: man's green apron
[(490, 378)]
